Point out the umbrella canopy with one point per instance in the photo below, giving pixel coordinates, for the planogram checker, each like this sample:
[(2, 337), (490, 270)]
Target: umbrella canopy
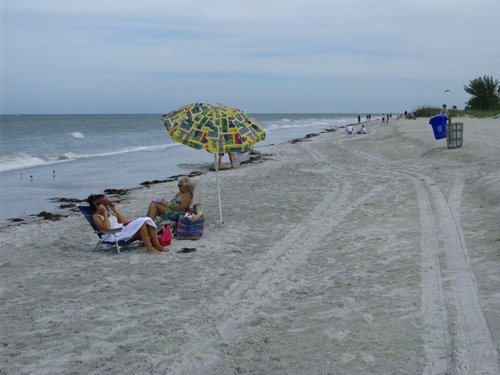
[(214, 127)]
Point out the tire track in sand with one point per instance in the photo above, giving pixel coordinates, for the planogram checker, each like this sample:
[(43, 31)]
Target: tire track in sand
[(458, 338), (262, 282), (474, 347), (434, 301)]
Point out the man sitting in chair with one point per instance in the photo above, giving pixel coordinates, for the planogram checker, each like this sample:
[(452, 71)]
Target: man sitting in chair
[(178, 205)]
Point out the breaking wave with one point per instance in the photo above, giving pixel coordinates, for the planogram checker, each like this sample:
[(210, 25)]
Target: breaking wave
[(283, 124), (22, 160), (77, 135)]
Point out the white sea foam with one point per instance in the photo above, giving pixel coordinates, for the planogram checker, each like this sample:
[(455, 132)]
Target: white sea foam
[(301, 124), (77, 135), (68, 156), (22, 160), (72, 156), (18, 161), (279, 127)]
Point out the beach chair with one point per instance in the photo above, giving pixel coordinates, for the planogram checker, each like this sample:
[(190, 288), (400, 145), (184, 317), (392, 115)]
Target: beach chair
[(198, 202), (104, 245)]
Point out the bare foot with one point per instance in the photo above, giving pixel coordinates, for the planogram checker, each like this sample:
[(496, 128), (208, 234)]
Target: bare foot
[(163, 249), (153, 251)]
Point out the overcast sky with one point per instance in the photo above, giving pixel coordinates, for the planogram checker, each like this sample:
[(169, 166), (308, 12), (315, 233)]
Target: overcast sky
[(152, 56)]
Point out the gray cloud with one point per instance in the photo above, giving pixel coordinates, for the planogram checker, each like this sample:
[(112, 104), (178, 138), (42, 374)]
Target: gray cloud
[(128, 56)]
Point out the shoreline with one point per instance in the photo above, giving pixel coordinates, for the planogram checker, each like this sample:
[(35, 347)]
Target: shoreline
[(68, 205)]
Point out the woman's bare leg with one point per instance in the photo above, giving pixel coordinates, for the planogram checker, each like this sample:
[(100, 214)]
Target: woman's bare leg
[(143, 233), (152, 212), (155, 209), (154, 239)]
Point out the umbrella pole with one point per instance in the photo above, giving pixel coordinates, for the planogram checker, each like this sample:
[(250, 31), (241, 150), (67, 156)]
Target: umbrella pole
[(218, 187)]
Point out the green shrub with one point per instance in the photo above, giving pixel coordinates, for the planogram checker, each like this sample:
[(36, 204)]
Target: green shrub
[(480, 114), (426, 111)]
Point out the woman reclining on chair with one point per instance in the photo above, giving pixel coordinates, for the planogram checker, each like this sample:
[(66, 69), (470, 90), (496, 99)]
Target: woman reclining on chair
[(178, 205), (107, 217)]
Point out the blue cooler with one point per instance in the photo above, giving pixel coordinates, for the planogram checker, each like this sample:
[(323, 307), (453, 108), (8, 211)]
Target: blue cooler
[(439, 126)]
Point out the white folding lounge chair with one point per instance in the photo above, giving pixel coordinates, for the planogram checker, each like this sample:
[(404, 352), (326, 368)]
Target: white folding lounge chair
[(101, 244)]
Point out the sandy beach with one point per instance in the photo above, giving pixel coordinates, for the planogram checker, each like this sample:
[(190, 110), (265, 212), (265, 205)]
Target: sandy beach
[(340, 254)]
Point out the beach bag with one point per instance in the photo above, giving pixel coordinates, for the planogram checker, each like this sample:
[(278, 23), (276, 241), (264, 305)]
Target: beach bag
[(166, 236), (190, 227)]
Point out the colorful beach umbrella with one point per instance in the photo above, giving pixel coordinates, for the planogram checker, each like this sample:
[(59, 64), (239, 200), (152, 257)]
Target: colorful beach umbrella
[(214, 127)]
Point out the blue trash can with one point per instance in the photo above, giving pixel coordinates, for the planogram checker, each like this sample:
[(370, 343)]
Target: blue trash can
[(439, 126)]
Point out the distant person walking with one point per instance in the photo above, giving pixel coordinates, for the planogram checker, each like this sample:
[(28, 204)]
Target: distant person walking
[(359, 119)]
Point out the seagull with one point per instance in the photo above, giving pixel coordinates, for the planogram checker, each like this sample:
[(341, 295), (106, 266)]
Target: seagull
[(447, 91)]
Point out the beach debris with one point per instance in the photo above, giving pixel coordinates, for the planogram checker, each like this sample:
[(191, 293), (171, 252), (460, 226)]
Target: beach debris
[(222, 168), (329, 130), (171, 178), (255, 159), (67, 205), (116, 191), (16, 219), (312, 135), (152, 182), (49, 216), (65, 200), (296, 140), (187, 250)]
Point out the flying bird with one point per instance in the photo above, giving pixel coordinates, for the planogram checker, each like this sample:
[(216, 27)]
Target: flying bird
[(447, 91)]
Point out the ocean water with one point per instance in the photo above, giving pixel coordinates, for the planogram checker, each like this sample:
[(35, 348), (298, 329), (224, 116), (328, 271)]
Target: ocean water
[(43, 157)]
